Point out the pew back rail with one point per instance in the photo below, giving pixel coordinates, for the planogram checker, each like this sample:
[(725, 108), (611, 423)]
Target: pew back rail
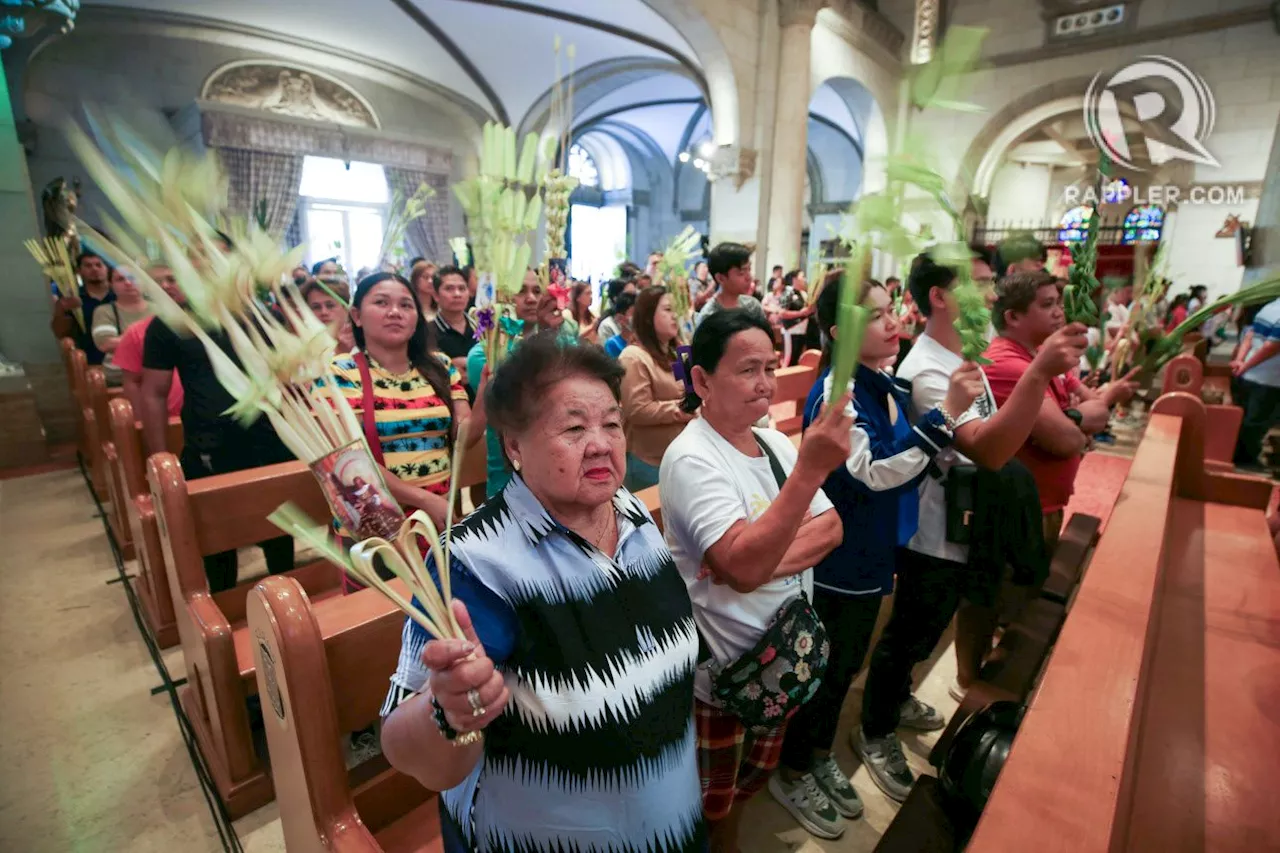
[(297, 666)]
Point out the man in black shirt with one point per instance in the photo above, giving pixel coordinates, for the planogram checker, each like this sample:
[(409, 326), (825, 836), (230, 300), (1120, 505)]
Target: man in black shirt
[(95, 290), (455, 333), (213, 442)]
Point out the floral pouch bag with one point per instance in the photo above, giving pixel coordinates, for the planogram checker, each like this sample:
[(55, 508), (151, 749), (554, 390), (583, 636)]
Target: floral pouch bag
[(782, 671)]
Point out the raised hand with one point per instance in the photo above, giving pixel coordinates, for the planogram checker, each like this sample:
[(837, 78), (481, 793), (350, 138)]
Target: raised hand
[(827, 440), (1121, 390), (966, 386), (1061, 351), (459, 668)]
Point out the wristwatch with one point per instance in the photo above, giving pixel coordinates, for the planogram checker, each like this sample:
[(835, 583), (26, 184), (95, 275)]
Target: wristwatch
[(1075, 415)]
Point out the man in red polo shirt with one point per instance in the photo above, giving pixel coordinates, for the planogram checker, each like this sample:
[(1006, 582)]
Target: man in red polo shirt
[(1028, 310)]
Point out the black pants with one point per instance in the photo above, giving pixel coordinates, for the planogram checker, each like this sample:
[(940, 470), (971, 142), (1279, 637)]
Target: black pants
[(928, 590), (221, 568), (849, 620), (1261, 404)]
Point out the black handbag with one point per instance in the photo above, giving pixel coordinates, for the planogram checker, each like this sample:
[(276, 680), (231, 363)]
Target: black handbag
[(958, 492), (765, 686)]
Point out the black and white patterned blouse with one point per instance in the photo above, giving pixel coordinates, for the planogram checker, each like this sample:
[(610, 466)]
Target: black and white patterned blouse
[(596, 749)]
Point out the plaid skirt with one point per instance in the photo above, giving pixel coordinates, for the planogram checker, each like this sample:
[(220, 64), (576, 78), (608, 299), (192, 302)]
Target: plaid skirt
[(734, 762)]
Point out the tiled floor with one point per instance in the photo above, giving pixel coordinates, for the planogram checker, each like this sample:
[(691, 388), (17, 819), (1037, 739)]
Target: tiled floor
[(91, 761)]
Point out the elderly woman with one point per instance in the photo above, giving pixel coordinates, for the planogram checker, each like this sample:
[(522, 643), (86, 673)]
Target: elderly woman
[(746, 521), (563, 721)]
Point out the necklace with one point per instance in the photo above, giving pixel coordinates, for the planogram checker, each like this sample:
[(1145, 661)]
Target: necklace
[(601, 534)]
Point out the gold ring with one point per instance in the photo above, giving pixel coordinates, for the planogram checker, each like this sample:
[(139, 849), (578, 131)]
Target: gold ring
[(467, 739), (477, 707)]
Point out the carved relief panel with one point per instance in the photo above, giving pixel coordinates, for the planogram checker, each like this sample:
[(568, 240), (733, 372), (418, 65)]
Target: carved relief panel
[(289, 90)]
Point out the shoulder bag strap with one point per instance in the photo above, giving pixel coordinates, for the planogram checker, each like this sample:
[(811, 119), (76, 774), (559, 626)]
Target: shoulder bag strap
[(367, 416), (778, 474)]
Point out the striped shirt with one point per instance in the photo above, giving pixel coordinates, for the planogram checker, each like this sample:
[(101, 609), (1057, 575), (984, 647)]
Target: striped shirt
[(596, 749), (413, 422)]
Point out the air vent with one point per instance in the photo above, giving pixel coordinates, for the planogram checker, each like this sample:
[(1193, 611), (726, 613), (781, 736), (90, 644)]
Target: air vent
[(1086, 23)]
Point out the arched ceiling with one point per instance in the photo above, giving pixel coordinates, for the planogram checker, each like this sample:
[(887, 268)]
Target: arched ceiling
[(495, 53)]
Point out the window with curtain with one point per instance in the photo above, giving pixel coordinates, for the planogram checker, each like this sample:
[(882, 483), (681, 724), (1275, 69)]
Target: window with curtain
[(343, 211)]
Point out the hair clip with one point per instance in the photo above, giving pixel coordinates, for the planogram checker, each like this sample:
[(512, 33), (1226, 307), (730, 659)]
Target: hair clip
[(682, 369)]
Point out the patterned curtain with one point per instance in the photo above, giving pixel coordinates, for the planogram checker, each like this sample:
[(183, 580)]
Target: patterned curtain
[(257, 176), (428, 236)]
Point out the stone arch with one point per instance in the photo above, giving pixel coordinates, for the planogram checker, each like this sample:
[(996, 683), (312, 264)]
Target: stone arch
[(866, 85), (593, 82), (990, 148), (994, 133), (688, 17), (869, 136)]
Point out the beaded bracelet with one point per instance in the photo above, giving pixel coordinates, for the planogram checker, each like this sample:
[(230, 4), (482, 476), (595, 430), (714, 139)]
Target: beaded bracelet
[(447, 731), (949, 421)]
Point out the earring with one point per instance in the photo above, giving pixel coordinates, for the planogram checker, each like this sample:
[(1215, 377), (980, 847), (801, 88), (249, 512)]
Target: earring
[(515, 463)]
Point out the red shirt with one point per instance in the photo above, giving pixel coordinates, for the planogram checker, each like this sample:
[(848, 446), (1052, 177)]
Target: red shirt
[(1055, 475), (128, 357)]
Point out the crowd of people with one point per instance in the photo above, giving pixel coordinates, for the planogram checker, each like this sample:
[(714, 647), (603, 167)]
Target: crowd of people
[(625, 687)]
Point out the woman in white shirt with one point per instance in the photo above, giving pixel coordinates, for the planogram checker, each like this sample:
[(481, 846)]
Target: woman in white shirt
[(744, 546)]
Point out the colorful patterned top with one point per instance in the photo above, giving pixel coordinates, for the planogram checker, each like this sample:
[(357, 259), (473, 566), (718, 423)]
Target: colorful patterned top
[(413, 422)]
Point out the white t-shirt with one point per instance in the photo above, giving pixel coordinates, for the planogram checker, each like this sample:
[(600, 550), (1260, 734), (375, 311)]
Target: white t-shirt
[(928, 367), (706, 486)]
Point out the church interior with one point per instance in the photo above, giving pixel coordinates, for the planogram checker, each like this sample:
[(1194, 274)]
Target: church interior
[(1133, 146)]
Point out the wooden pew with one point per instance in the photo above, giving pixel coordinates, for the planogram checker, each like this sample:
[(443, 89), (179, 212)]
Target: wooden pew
[(84, 417), (103, 453), (67, 346), (1186, 374), (130, 493), (1013, 670), (300, 654), (810, 358), (1151, 729), (208, 516), (794, 384)]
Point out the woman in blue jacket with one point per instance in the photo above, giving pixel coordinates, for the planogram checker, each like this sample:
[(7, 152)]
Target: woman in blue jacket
[(876, 495)]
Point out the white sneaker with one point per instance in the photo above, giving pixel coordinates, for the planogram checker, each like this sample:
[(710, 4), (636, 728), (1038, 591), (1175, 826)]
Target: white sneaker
[(955, 691), (808, 805)]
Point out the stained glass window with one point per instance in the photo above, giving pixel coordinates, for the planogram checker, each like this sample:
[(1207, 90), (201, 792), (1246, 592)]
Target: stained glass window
[(1074, 224), (1143, 224), (583, 167)]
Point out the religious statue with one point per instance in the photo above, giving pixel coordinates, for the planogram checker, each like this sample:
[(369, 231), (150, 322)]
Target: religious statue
[(60, 200), (25, 17)]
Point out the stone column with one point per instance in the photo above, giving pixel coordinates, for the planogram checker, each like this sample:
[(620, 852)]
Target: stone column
[(790, 133)]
